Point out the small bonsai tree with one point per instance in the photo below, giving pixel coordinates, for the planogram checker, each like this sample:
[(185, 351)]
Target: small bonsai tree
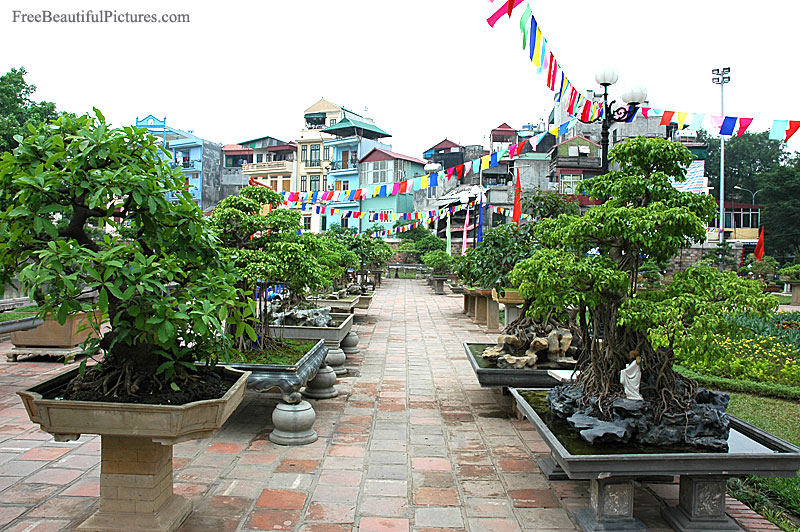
[(790, 273), (439, 261), (415, 249), (166, 292), (590, 263), (764, 269)]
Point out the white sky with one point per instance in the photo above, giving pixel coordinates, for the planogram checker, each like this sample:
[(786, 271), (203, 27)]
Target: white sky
[(426, 69)]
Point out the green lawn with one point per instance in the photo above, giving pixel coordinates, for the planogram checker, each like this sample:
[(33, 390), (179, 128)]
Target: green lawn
[(783, 300), (769, 496)]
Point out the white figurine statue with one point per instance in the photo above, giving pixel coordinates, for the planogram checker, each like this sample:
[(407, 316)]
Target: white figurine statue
[(631, 377)]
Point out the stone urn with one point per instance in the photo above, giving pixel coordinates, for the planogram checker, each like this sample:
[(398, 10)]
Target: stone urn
[(136, 442)]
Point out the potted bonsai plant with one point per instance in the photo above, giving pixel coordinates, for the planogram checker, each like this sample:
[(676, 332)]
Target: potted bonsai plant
[(440, 263), (161, 284), (791, 275), (276, 269)]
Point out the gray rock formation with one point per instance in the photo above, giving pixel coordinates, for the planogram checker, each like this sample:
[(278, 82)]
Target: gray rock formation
[(315, 317)]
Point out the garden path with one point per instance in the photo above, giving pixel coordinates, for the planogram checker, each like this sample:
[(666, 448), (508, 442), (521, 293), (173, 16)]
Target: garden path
[(412, 444)]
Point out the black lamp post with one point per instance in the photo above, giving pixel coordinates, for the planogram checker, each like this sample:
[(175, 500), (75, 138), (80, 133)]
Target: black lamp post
[(633, 96)]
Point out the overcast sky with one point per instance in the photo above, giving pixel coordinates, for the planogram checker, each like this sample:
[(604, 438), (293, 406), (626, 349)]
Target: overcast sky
[(425, 69)]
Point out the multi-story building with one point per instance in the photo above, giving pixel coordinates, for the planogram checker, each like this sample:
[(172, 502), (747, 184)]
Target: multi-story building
[(234, 158), (199, 159), (274, 163), (352, 139), (383, 168)]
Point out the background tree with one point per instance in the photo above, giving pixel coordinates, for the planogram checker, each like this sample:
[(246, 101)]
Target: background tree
[(780, 195), (17, 109)]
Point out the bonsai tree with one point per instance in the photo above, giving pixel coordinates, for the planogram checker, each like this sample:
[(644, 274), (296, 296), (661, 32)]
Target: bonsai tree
[(372, 252), (417, 248), (764, 269), (166, 292), (500, 250), (790, 273), (439, 261), (590, 264), (263, 247)]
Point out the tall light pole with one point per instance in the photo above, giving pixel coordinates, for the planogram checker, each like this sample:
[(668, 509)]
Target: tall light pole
[(633, 96), (737, 187), (721, 78)]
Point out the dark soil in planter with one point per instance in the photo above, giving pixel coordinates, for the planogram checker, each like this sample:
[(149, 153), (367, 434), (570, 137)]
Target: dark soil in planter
[(284, 353), (202, 384)]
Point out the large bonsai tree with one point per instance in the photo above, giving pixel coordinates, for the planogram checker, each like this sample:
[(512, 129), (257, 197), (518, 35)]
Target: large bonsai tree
[(165, 291), (590, 264)]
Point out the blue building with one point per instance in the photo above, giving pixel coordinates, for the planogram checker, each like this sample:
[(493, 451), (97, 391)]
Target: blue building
[(199, 159), (384, 168), (354, 138)]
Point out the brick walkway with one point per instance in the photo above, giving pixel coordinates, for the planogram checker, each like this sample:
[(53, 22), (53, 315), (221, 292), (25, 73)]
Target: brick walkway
[(412, 444)]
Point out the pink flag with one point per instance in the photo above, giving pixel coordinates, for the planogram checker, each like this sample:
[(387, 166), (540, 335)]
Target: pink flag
[(744, 123), (717, 121), (464, 235), (505, 9)]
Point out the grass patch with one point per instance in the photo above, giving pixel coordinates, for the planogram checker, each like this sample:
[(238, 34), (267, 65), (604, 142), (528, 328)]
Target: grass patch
[(771, 497), (783, 300), (18, 313), (283, 352), (762, 389)]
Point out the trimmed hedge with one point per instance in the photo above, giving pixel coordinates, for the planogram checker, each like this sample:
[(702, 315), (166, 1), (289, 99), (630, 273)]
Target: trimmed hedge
[(733, 385)]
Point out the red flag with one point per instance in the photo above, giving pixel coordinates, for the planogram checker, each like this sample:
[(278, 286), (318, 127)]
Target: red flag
[(759, 252), (794, 125), (667, 118), (517, 214), (744, 123)]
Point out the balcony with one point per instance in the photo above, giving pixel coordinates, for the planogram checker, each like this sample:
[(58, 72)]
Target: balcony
[(313, 163), (340, 165), (188, 165), (270, 167)]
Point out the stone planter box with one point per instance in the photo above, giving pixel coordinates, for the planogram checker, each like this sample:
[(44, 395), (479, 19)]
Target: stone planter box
[(795, 292), (513, 303), (490, 376), (470, 298), (365, 300), (332, 336), (136, 449), (294, 420), (703, 475), (341, 305), (438, 284), (487, 311), (52, 338)]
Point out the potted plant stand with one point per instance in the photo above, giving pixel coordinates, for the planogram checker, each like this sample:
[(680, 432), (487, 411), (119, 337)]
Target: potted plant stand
[(470, 299), (52, 339), (701, 500), (346, 304), (136, 440), (795, 292), (376, 277), (365, 300), (512, 301), (294, 418), (332, 336), (487, 311), (438, 284)]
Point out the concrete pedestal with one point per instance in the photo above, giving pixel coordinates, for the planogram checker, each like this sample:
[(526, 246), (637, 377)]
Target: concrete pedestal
[(336, 357), (795, 293), (480, 310), (66, 353), (492, 315), (321, 386), (136, 488), (350, 344), (438, 286), (610, 507), (293, 424), (701, 506), (512, 312)]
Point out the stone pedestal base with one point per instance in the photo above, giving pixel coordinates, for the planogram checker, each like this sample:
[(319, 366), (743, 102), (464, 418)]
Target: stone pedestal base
[(480, 310), (321, 386), (610, 508), (293, 424), (438, 286), (795, 293), (551, 469), (350, 344), (336, 357), (67, 353), (512, 312), (701, 506), (492, 315), (136, 488)]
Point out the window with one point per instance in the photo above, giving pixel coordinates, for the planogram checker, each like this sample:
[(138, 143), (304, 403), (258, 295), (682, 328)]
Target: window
[(323, 223), (333, 122), (432, 192), (259, 157), (304, 153), (377, 172), (306, 223), (569, 182), (325, 182), (303, 183), (314, 159), (287, 184), (388, 213), (314, 183), (326, 153), (345, 185)]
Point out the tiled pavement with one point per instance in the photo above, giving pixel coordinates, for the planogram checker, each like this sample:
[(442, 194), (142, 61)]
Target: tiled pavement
[(412, 444)]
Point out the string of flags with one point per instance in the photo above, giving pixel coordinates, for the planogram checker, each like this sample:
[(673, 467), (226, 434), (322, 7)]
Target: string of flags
[(577, 105)]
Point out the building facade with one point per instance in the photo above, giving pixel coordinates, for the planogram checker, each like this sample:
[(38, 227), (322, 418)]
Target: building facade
[(383, 168)]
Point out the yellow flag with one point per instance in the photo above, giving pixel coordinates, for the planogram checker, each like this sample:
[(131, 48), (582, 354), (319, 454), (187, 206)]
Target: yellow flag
[(537, 54), (554, 131), (681, 119), (424, 182), (485, 161)]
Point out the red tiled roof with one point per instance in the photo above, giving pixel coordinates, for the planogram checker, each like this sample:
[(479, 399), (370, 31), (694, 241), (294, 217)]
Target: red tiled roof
[(504, 128), (378, 154), (289, 146), (444, 145), (236, 149)]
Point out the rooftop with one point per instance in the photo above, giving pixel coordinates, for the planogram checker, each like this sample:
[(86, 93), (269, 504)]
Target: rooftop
[(352, 126)]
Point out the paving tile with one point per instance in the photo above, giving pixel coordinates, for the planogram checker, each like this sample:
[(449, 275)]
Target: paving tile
[(383, 506), (281, 499), (38, 525), (438, 517), (436, 497), (386, 488), (382, 524), (297, 466), (44, 453), (331, 512), (261, 519)]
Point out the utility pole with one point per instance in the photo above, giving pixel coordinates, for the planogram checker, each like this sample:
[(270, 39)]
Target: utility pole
[(721, 78)]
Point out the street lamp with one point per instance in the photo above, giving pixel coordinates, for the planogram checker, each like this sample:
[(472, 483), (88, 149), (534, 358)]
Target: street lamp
[(632, 96), (721, 78), (737, 187)]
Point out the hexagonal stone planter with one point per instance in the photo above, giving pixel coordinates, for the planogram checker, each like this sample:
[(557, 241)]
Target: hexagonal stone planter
[(136, 442)]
